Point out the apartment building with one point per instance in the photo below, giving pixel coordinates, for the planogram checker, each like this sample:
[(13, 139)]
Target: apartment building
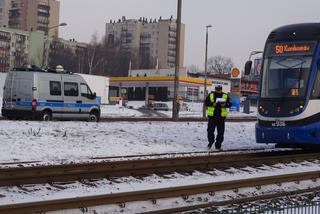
[(20, 48), (31, 15), (151, 37)]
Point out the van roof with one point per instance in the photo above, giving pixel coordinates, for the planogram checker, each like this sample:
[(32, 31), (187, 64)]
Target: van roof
[(36, 69)]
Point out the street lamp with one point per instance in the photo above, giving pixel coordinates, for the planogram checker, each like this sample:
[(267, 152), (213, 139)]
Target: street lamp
[(46, 62), (205, 71)]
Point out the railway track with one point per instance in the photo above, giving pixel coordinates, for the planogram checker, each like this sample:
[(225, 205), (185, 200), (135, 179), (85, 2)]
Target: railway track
[(168, 119), (178, 191), (146, 166), (181, 119)]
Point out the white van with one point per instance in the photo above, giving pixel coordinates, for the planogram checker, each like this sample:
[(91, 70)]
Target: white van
[(47, 95)]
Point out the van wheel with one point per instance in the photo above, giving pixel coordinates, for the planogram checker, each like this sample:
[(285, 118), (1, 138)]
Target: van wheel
[(46, 116), (94, 117)]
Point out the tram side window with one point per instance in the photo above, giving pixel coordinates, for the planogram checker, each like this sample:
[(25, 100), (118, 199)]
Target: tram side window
[(316, 87)]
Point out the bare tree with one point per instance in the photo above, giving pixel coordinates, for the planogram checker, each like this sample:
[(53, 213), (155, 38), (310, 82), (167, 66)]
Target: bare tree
[(220, 65), (61, 55), (101, 58), (92, 54), (193, 69)]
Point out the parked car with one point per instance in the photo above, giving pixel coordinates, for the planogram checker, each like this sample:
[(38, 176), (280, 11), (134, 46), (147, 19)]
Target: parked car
[(159, 106), (46, 95)]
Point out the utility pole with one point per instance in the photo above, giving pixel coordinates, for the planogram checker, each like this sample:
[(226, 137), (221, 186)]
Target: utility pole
[(205, 73), (175, 114)]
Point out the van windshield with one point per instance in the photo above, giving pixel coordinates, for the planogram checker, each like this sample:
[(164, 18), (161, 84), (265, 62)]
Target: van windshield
[(85, 90)]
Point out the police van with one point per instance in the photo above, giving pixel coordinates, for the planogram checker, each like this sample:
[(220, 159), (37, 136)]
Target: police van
[(46, 95)]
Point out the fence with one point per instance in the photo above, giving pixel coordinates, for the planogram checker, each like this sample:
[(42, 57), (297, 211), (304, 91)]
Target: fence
[(306, 208)]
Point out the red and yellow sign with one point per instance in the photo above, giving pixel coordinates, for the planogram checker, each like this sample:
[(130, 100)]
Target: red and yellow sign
[(235, 73), (282, 49)]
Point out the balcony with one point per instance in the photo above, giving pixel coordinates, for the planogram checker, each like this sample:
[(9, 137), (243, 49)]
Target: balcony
[(5, 37), (43, 22), (43, 14), (145, 45), (14, 14), (172, 35), (43, 28), (43, 6)]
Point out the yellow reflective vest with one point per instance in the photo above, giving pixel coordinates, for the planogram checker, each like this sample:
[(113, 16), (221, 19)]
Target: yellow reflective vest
[(224, 111)]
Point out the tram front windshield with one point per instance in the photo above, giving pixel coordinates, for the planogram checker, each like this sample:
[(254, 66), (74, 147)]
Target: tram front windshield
[(286, 76), (286, 70)]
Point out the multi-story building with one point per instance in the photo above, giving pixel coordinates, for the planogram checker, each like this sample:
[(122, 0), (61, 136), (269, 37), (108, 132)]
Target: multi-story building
[(154, 38), (32, 15), (20, 48)]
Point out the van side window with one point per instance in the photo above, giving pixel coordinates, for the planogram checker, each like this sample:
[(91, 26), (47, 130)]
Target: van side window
[(71, 89), (55, 88), (85, 90)]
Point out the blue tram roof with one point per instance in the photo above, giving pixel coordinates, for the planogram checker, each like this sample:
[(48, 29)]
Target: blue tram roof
[(305, 31)]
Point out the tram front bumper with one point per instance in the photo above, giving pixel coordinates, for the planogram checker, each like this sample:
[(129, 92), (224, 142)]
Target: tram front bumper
[(306, 134)]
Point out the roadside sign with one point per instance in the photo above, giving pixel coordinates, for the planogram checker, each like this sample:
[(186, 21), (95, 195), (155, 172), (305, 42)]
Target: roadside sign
[(235, 89), (123, 91)]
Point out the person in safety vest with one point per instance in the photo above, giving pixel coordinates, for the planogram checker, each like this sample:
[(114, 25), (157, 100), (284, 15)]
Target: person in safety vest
[(216, 103)]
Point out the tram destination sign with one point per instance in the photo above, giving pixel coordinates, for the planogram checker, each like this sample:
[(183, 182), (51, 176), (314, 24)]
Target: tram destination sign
[(291, 48)]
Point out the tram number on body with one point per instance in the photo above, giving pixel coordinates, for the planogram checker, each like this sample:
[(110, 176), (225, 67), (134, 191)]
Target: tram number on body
[(279, 123)]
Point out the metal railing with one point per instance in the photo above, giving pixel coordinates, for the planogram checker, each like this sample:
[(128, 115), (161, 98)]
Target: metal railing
[(295, 208)]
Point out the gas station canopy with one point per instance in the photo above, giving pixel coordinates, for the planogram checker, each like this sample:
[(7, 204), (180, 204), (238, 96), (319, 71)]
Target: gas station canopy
[(156, 81)]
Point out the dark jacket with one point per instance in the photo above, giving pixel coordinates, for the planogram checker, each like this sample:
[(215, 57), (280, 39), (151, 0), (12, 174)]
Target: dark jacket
[(217, 109)]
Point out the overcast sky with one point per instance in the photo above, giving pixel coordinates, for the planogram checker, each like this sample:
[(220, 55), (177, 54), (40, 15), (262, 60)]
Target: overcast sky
[(239, 26)]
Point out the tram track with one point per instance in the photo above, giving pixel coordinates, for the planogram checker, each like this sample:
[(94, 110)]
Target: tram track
[(166, 119), (143, 166), (169, 192)]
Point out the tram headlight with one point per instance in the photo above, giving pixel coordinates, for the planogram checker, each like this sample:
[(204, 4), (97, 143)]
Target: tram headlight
[(261, 109), (297, 109)]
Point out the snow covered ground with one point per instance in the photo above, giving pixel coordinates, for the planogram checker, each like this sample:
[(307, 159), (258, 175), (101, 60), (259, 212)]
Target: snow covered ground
[(134, 110), (59, 141), (79, 141)]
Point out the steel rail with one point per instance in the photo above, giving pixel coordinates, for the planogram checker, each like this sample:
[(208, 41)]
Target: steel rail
[(167, 119), (141, 167), (234, 201), (153, 194), (181, 119)]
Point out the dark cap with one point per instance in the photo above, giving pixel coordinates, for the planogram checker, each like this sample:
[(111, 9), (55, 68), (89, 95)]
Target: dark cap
[(218, 87)]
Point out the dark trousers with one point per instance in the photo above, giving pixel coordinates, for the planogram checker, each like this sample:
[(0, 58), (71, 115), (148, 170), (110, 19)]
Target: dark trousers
[(212, 124)]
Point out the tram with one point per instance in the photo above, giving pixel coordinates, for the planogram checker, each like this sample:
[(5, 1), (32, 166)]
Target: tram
[(289, 96)]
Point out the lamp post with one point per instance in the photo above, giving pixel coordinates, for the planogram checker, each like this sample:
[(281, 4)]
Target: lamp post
[(205, 71), (46, 62)]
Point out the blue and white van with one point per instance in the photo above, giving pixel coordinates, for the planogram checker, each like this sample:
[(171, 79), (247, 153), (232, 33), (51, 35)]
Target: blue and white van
[(47, 95)]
